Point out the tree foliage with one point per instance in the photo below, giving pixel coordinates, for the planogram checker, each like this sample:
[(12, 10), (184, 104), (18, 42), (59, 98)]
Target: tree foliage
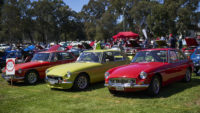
[(53, 20)]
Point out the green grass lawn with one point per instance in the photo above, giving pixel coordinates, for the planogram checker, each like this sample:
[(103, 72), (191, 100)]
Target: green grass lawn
[(178, 97)]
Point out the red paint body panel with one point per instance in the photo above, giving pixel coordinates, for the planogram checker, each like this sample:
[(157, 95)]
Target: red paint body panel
[(170, 72), (54, 48), (39, 66), (191, 42)]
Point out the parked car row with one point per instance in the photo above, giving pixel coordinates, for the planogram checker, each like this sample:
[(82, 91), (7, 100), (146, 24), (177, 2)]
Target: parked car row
[(150, 69)]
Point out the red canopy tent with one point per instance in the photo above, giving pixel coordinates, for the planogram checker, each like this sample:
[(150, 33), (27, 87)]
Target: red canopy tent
[(127, 34)]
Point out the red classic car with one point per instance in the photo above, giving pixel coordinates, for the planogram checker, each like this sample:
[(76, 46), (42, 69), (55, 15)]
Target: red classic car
[(149, 70), (31, 72), (191, 45)]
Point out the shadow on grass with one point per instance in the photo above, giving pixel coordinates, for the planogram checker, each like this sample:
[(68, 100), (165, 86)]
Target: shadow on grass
[(21, 83), (90, 88), (165, 92)]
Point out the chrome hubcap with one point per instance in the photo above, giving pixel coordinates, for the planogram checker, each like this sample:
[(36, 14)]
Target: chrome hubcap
[(32, 78), (82, 82), (187, 75), (156, 86)]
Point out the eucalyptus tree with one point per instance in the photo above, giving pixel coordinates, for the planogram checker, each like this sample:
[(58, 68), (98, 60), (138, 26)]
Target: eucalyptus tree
[(11, 20), (92, 13)]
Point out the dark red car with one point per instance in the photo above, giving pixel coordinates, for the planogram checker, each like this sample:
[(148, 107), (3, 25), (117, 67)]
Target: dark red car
[(149, 70), (34, 70), (191, 45)]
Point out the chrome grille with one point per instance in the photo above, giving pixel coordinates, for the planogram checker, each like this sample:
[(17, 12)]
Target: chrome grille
[(122, 80), (54, 77)]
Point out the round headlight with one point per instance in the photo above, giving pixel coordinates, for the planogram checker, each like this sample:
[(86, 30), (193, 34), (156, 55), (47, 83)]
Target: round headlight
[(68, 74), (107, 74), (19, 71), (143, 75)]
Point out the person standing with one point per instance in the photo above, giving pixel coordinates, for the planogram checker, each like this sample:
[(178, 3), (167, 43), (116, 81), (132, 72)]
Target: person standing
[(172, 41), (98, 45), (180, 42)]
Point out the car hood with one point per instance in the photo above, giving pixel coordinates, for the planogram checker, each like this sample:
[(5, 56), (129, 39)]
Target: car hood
[(191, 42), (76, 67), (30, 65), (134, 69)]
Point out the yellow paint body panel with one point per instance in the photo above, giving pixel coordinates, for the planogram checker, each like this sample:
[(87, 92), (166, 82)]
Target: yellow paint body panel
[(95, 71)]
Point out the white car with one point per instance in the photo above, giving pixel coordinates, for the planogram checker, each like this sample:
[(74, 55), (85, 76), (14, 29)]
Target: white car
[(4, 46)]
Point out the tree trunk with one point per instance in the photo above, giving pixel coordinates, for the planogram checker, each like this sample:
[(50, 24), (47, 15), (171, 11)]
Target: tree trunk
[(30, 37)]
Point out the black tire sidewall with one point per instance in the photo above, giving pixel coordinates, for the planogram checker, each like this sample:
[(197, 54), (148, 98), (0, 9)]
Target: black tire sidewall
[(26, 77), (75, 85), (150, 90), (185, 78)]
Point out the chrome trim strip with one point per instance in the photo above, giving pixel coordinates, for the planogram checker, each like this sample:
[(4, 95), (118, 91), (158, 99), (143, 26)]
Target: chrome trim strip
[(9, 77), (134, 86), (47, 80), (67, 82)]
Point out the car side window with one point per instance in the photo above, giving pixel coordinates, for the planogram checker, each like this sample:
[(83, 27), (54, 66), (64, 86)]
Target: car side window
[(56, 57), (108, 56), (59, 56), (173, 57), (66, 56), (52, 57), (180, 55)]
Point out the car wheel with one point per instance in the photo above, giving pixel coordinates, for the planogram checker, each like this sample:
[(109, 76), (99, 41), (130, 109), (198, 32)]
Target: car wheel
[(187, 77), (155, 86), (31, 77), (81, 82)]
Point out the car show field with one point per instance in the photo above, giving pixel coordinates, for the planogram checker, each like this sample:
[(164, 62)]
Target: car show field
[(22, 98)]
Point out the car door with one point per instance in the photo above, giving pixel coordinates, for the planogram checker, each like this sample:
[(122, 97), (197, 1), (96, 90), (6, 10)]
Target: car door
[(182, 64), (173, 68), (112, 59)]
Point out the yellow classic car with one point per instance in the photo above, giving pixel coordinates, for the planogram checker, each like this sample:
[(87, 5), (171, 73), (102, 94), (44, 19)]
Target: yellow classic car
[(89, 68)]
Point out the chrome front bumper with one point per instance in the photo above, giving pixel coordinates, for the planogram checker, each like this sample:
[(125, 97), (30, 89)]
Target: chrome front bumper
[(8, 77), (127, 86), (54, 81)]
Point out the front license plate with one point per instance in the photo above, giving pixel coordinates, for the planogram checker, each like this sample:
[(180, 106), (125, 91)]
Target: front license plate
[(119, 88), (51, 81)]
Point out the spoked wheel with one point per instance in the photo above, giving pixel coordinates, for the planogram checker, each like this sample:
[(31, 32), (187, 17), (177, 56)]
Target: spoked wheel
[(31, 77), (187, 77), (155, 86), (81, 82)]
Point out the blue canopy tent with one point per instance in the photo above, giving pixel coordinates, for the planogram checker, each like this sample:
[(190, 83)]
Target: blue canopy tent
[(30, 48)]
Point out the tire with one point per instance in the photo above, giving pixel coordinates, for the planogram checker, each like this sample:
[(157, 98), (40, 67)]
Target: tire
[(187, 77), (155, 86), (81, 82), (31, 77)]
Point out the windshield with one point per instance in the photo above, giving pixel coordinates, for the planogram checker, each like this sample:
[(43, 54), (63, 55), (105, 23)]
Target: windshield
[(150, 56), (41, 57), (89, 57)]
